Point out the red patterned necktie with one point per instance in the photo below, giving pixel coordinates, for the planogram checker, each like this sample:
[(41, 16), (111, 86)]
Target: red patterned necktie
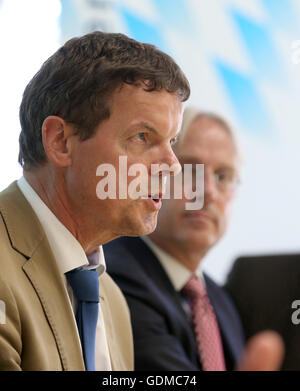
[(205, 325)]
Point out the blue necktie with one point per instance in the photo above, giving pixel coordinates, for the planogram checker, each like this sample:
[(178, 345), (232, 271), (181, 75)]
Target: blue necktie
[(85, 286)]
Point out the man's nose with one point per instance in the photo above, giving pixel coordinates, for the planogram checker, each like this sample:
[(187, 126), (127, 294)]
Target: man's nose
[(166, 166), (173, 167)]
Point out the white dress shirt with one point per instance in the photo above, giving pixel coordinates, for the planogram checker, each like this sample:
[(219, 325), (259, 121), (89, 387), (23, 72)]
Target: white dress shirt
[(70, 255), (176, 271)]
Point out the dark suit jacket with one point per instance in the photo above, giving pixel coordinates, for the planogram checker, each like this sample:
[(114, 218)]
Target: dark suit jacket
[(263, 289), (163, 336)]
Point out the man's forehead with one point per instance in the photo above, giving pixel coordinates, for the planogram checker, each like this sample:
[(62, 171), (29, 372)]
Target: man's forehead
[(155, 110), (206, 133), (218, 161), (140, 91), (203, 128), (206, 147)]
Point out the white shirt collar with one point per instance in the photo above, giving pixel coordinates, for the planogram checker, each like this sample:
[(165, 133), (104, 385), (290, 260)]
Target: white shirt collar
[(176, 271), (66, 249)]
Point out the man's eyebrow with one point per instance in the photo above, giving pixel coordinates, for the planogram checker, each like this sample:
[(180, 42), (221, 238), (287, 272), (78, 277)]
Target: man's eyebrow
[(147, 126), (194, 160)]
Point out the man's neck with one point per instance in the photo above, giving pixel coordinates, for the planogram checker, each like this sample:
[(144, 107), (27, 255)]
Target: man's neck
[(188, 257), (53, 193)]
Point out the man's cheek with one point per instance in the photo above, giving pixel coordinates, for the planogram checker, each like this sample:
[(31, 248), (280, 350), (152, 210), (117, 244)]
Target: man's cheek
[(221, 225)]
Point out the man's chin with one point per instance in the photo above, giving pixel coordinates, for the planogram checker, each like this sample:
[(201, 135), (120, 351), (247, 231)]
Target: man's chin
[(147, 226), (137, 227)]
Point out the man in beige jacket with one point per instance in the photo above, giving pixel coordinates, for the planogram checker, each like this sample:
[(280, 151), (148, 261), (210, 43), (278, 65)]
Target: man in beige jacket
[(99, 97)]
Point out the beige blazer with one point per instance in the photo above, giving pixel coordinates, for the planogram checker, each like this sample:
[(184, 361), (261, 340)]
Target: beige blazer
[(40, 332)]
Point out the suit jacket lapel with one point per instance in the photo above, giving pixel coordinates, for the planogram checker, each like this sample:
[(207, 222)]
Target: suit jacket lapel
[(108, 330), (114, 351), (168, 296), (42, 271), (232, 336)]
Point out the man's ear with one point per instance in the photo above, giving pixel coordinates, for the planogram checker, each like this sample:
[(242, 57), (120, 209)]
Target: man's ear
[(57, 134)]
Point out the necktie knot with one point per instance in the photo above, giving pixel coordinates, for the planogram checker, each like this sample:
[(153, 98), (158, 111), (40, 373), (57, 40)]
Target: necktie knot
[(85, 284), (194, 288)]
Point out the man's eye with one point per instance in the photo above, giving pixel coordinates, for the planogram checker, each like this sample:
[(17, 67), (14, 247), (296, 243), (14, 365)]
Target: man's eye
[(224, 176), (221, 176), (140, 136)]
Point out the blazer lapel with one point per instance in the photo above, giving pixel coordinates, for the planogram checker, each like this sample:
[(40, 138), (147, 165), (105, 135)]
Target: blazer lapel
[(52, 293), (43, 273), (105, 308)]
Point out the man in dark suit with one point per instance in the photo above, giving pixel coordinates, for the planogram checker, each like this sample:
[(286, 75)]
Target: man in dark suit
[(155, 272), (266, 290)]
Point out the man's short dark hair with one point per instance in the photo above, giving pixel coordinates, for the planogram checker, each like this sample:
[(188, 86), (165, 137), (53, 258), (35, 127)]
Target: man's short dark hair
[(77, 81)]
